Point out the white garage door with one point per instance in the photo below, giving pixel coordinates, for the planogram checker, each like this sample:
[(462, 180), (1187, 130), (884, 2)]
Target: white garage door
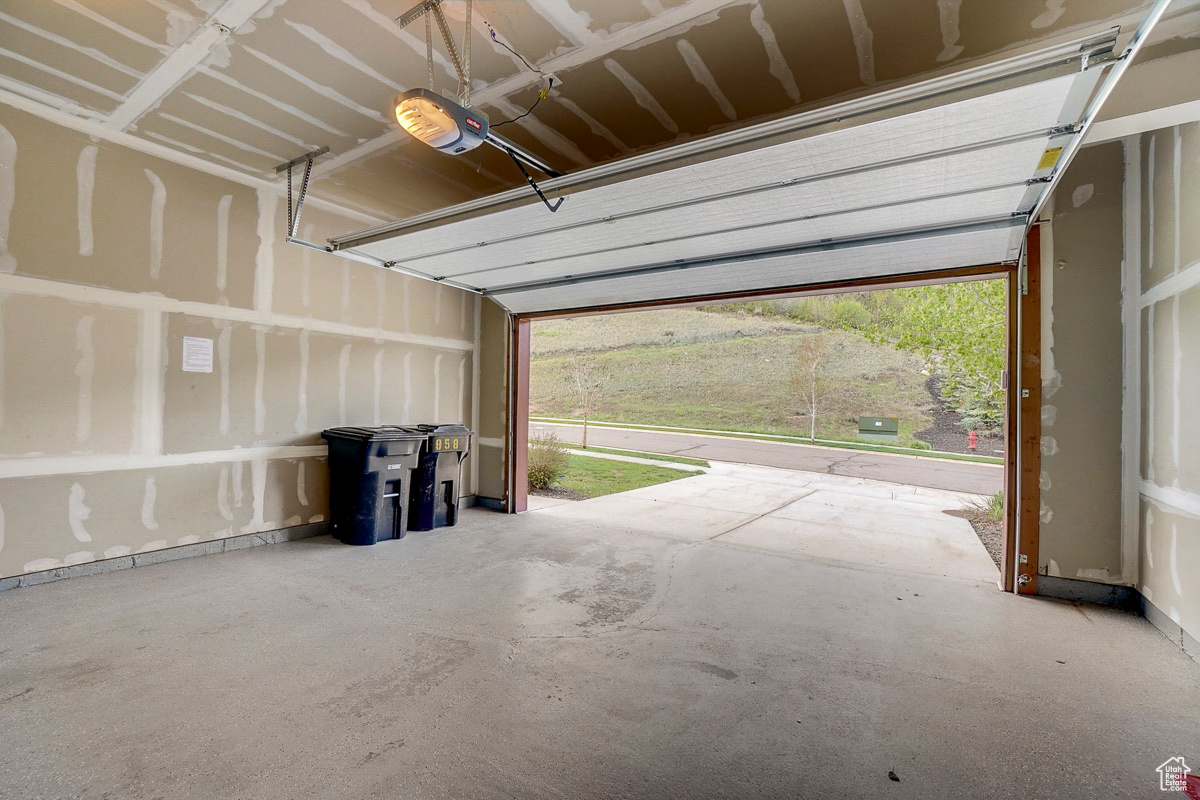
[(934, 176)]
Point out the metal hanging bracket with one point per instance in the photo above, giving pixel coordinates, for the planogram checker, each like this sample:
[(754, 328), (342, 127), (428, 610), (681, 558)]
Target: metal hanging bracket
[(306, 159), (462, 63), (293, 223), (553, 207)]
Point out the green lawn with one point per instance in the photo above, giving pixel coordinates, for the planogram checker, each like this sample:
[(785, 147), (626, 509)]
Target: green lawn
[(593, 477), (654, 456)]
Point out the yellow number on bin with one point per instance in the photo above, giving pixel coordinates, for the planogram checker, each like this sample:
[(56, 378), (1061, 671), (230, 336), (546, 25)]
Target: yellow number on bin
[(437, 444), (455, 445)]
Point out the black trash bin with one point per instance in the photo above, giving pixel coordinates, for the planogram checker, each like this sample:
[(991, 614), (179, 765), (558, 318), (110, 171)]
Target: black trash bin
[(370, 473), (437, 479)]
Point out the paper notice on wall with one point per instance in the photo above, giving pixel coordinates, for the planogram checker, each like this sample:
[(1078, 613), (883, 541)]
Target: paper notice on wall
[(197, 354)]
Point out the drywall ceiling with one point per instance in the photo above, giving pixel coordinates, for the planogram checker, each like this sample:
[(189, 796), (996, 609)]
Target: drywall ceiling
[(290, 75)]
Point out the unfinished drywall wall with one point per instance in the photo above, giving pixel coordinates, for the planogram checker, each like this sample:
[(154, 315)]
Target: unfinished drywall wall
[(1163, 286), (109, 258), (1081, 372), (493, 393)]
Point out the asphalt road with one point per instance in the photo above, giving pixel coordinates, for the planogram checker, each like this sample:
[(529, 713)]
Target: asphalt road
[(935, 473)]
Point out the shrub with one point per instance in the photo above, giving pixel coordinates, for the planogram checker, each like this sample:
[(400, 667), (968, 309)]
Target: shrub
[(548, 460), (848, 314), (920, 445)]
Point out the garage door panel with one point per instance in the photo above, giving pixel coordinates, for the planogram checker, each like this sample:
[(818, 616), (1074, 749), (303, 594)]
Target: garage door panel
[(850, 263), (883, 218), (1008, 165)]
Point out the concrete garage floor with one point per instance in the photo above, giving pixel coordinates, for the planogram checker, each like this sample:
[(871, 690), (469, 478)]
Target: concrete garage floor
[(545, 657)]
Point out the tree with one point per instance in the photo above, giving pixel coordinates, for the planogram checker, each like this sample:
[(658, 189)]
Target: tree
[(809, 379), (588, 381), (960, 327)]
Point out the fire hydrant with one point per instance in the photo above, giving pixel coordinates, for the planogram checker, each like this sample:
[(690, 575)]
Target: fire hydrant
[(972, 438)]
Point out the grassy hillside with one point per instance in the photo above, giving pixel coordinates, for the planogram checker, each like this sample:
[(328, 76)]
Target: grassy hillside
[(734, 374)]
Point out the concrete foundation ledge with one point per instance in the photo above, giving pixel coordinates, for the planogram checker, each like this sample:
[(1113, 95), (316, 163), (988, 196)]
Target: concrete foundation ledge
[(1171, 629), (166, 554), (1101, 594)]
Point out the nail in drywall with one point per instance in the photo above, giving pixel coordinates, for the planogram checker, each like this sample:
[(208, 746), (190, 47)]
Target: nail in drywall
[(223, 353), (778, 64), (2, 364), (437, 388), (264, 259), (380, 296), (306, 266), (1054, 10), (703, 76), (408, 395), (1147, 530), (148, 497), (258, 478), (864, 40), (1177, 433), (302, 400), (8, 192), (85, 370), (1175, 559), (260, 377), (1082, 194), (343, 369), (85, 179), (151, 374), (592, 123), (301, 490), (237, 484), (223, 494), (948, 13), (223, 241), (77, 513), (158, 204), (378, 385), (641, 95), (462, 390)]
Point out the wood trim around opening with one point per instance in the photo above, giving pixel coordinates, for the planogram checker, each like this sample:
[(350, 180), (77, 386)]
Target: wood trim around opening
[(518, 485), (1029, 418)]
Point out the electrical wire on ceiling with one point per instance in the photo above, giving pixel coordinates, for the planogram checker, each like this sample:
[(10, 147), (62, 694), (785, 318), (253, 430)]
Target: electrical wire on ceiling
[(495, 39), (541, 96)]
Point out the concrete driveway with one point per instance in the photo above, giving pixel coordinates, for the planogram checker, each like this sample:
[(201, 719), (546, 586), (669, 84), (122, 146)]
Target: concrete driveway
[(842, 520), (955, 476)]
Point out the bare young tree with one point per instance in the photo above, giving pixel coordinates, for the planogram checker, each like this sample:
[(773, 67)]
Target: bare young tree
[(588, 381), (809, 380)]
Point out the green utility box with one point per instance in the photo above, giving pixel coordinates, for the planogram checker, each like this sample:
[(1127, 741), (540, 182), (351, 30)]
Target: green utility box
[(879, 429)]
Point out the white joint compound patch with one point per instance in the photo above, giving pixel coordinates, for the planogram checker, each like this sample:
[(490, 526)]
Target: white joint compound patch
[(158, 205), (264, 259), (149, 496), (1054, 10), (78, 513), (948, 11), (1082, 194), (8, 195), (223, 241), (85, 370), (1049, 446), (85, 179)]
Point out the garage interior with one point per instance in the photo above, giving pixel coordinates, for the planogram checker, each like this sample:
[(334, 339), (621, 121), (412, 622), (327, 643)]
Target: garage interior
[(704, 148)]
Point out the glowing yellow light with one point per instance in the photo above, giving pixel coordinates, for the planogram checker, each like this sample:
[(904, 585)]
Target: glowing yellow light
[(427, 121)]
